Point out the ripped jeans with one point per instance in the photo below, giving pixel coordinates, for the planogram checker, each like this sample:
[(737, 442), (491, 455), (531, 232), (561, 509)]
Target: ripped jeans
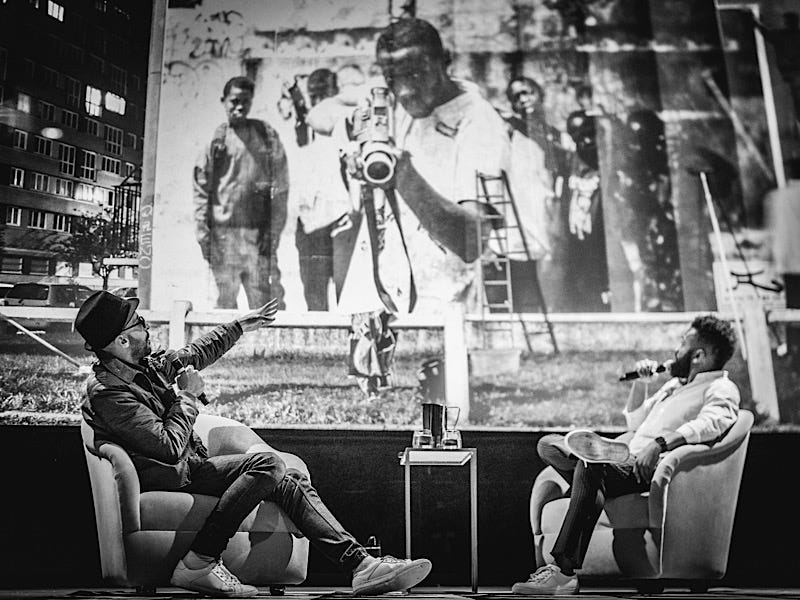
[(242, 481)]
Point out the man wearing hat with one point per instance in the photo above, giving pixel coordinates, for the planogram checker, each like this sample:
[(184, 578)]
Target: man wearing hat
[(132, 402)]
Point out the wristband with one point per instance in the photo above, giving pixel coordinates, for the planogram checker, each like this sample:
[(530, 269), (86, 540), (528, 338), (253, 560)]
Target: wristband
[(662, 443)]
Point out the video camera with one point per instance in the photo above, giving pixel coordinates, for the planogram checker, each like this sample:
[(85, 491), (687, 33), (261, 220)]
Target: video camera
[(373, 128)]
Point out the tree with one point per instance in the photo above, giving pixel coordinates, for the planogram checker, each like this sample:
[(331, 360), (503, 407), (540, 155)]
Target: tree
[(94, 238)]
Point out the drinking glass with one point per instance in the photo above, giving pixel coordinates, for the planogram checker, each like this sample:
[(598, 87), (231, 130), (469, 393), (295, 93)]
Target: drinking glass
[(451, 439), (422, 438)]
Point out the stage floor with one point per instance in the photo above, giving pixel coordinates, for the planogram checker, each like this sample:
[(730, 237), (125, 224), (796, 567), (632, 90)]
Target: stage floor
[(417, 594)]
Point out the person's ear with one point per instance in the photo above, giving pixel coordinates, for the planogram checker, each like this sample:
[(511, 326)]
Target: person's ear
[(699, 355), (123, 341)]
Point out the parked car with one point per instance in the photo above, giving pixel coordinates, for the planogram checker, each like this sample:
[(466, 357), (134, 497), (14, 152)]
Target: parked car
[(65, 295)]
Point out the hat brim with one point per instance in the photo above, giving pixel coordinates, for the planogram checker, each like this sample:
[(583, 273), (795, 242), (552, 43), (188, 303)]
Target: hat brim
[(133, 304)]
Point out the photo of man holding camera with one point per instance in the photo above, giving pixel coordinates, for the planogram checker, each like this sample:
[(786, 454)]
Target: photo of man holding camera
[(439, 133)]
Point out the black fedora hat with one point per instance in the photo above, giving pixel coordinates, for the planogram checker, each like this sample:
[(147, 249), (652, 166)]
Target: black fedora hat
[(102, 317)]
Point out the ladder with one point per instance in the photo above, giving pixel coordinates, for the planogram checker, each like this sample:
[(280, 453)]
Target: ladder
[(494, 267)]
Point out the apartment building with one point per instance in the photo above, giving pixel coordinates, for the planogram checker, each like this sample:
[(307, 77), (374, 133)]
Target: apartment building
[(72, 99)]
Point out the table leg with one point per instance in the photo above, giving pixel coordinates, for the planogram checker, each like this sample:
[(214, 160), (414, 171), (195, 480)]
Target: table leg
[(408, 509), (473, 509)]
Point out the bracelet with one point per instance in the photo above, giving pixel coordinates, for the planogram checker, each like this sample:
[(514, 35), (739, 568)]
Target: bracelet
[(661, 442)]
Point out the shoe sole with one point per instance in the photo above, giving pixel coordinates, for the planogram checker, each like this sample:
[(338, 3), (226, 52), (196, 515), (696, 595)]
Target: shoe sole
[(212, 593), (396, 580), (591, 447), (561, 590)]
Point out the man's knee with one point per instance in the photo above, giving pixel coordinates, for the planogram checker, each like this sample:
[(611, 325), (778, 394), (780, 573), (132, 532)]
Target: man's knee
[(297, 476), (269, 467), (550, 446)]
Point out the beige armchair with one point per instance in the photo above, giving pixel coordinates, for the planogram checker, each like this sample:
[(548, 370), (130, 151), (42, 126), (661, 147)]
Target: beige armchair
[(679, 530), (143, 535)]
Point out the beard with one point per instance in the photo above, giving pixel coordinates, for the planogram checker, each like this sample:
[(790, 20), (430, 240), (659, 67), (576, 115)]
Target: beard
[(681, 366), (140, 348)]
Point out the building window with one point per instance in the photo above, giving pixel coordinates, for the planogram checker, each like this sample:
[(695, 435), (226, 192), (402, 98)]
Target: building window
[(62, 222), (17, 177), (131, 140), (115, 103), (96, 64), (14, 216), (93, 127), (47, 111), (30, 69), (20, 139), (94, 100), (110, 165), (118, 79), (130, 169), (136, 83), (10, 264), (113, 140), (73, 87), (24, 103), (69, 118), (39, 266), (64, 187), (37, 219), (41, 182), (66, 158), (3, 62), (74, 54), (97, 39), (85, 192), (49, 77), (44, 146), (88, 165), (55, 10)]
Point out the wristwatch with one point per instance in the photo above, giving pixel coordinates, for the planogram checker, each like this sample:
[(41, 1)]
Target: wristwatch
[(661, 442)]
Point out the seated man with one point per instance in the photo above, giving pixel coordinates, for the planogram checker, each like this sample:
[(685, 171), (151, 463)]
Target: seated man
[(133, 402), (697, 405)]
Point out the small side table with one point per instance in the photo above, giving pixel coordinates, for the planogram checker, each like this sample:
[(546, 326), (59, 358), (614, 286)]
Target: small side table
[(435, 457)]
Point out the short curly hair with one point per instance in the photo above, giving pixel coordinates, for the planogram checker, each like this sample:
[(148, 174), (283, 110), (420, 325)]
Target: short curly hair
[(718, 334), (241, 82)]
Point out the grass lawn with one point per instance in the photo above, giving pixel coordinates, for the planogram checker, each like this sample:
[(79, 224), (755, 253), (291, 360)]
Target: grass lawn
[(574, 388)]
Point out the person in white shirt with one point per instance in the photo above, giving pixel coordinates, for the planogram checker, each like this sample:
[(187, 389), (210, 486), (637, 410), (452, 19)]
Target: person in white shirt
[(696, 406), (444, 131)]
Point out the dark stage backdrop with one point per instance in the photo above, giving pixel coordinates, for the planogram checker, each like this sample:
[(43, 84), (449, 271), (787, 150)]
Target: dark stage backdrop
[(49, 537)]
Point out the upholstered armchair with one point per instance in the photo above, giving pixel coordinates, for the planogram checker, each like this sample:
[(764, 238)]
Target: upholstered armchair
[(679, 530), (142, 535)]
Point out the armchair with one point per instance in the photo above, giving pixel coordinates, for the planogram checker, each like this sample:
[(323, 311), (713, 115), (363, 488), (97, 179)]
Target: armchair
[(647, 536), (142, 535)]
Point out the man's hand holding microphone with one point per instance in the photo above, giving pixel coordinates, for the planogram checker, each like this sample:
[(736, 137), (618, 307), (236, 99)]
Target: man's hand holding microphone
[(188, 379)]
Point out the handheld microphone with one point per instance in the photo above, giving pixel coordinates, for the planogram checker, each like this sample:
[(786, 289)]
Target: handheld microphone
[(179, 368), (631, 375)]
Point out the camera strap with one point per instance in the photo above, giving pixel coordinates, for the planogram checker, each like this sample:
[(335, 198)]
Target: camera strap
[(372, 227)]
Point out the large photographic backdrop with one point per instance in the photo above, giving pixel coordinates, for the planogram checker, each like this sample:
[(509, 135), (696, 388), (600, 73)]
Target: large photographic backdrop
[(634, 103)]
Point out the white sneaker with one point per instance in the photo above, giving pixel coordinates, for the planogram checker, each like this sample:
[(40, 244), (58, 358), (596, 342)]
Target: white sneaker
[(593, 448), (390, 574), (211, 580), (548, 581)]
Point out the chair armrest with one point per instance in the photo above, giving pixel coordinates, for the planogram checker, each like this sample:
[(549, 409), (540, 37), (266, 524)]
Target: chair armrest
[(698, 476), (548, 486), (227, 436), (127, 480)]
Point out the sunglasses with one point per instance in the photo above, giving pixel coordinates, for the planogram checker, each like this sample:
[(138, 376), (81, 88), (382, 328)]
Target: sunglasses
[(139, 321)]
